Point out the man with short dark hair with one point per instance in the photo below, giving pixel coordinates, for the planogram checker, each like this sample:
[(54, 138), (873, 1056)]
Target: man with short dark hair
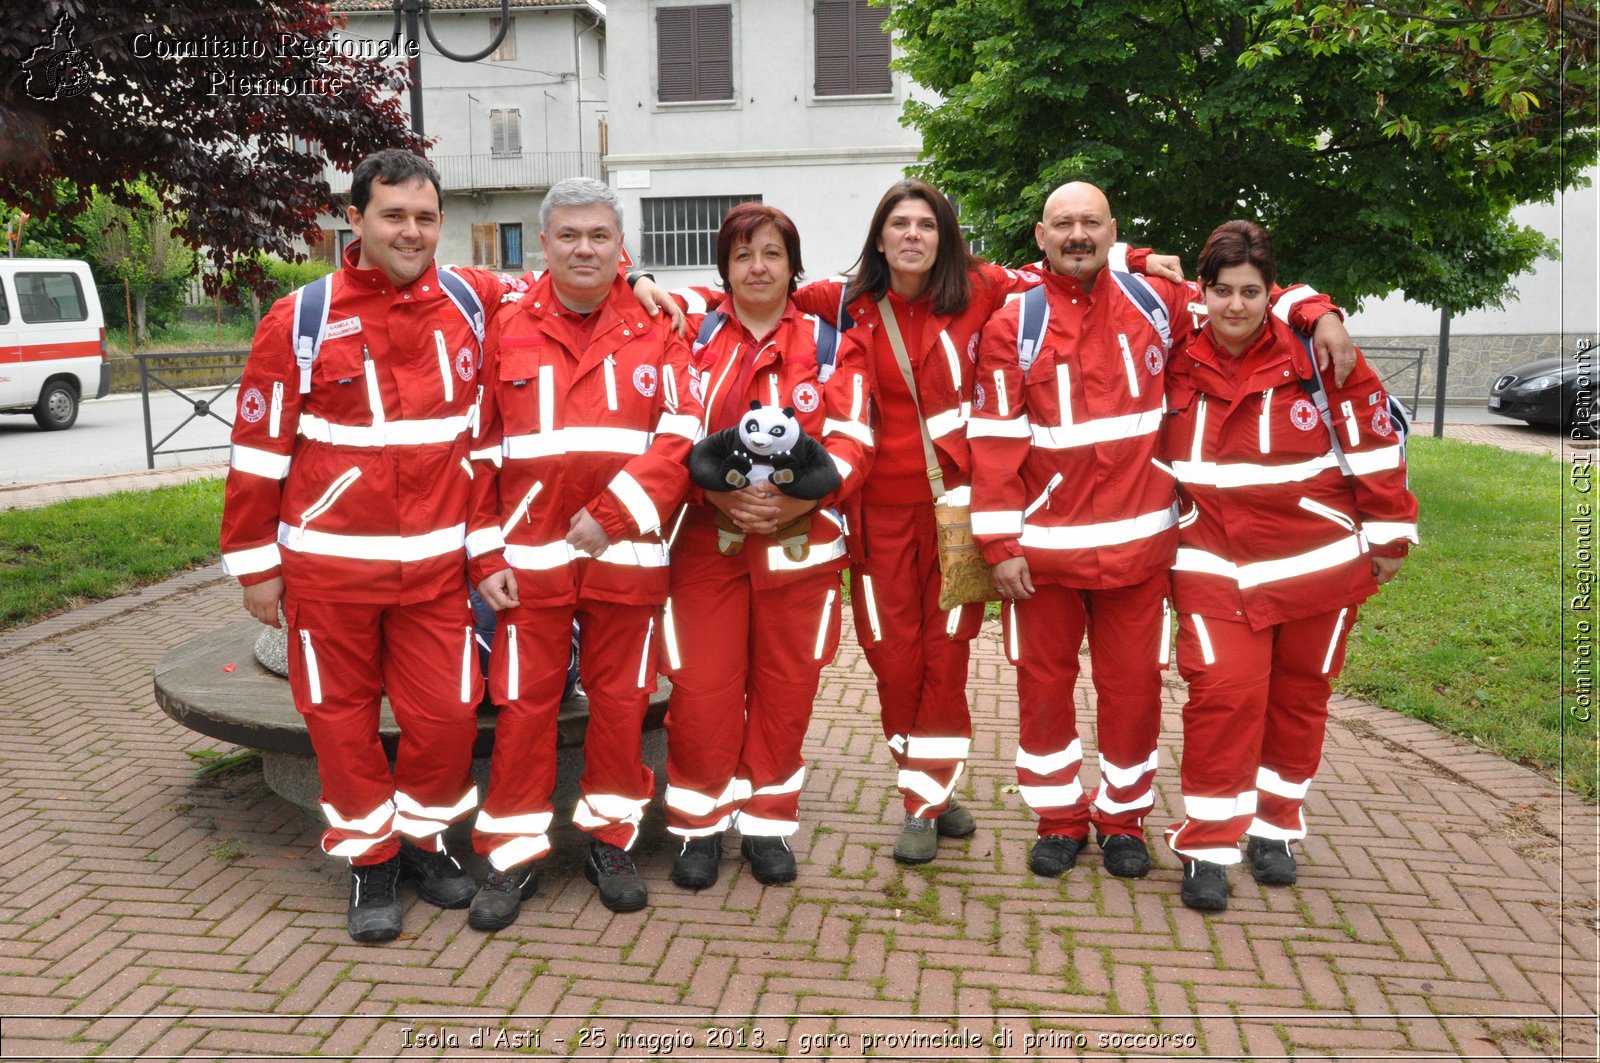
[(347, 503)]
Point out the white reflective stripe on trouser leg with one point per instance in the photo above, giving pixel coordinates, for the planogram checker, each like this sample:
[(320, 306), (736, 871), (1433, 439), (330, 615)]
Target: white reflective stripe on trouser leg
[(926, 787), (872, 608), (466, 666), (644, 654), (1260, 828), (763, 827), (1164, 655), (1333, 643), (526, 837), (1050, 763), (413, 818), (1040, 798), (1204, 636), (669, 635), (313, 676), (822, 628), (697, 803), (1107, 805), (1124, 777), (1217, 809), (1224, 855), (595, 811), (518, 850), (513, 670), (1014, 641), (1269, 781)]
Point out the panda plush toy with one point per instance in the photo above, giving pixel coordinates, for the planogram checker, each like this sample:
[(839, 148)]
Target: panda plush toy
[(767, 446)]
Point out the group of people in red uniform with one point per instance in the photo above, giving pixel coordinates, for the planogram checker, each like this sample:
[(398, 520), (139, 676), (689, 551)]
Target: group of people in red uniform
[(436, 429)]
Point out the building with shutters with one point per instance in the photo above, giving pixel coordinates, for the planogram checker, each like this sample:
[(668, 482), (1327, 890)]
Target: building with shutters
[(506, 127), (791, 102)]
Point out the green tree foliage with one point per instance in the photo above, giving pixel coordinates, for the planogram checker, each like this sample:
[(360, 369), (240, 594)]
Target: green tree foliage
[(132, 238), (1192, 113)]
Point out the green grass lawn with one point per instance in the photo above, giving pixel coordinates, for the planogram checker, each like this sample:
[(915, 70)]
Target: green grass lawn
[(61, 556), (1469, 636)]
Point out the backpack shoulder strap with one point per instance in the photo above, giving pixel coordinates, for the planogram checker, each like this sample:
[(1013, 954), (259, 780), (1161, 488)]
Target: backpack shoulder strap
[(1319, 396), (1139, 292), (466, 299), (710, 325), (1033, 317), (310, 325), (827, 337)]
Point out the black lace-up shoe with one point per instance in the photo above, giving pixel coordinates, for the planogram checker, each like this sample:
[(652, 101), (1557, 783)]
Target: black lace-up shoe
[(615, 878), (438, 878), (1125, 855), (1272, 862), (771, 859), (1054, 855), (695, 866), (501, 896), (1205, 886), (374, 913), (918, 841)]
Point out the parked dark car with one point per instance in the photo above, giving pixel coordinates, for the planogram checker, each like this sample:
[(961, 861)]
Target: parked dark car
[(1551, 391)]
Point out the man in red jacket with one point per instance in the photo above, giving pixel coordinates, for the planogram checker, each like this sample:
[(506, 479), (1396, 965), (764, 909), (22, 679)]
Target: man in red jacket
[(347, 503), (588, 420), (1080, 524)]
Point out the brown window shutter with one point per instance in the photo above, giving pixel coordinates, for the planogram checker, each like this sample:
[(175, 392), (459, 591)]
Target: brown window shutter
[(483, 244), (833, 48), (694, 52), (674, 53), (852, 49), (714, 52), (871, 50), (326, 247)]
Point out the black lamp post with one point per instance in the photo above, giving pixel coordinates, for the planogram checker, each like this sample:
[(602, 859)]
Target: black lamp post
[(415, 11)]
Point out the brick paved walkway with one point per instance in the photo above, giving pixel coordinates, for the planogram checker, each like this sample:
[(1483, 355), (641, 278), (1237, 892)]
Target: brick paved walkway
[(1446, 907)]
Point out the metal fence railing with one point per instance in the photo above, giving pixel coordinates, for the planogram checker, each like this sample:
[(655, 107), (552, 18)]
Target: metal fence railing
[(200, 408), (1393, 363)]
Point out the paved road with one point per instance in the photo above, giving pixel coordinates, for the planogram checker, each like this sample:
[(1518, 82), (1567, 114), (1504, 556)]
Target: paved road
[(109, 438)]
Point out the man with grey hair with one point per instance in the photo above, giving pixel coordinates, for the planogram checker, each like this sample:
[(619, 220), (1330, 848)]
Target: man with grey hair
[(587, 421)]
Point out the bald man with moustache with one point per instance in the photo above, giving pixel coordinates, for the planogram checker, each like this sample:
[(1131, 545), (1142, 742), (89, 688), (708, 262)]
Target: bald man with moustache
[(1081, 524)]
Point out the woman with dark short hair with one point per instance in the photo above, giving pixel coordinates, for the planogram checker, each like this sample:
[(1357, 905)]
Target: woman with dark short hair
[(1287, 525)]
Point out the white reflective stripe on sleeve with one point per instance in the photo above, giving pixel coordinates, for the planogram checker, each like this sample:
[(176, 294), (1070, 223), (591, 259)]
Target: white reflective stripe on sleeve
[(669, 635), (1352, 428), (489, 454), (484, 540), (998, 522), (445, 374), (1164, 654), (852, 429), (1333, 646), (373, 547), (692, 302), (645, 674), (1217, 809), (630, 441), (405, 803), (249, 562), (1206, 652), (1269, 781), (857, 396), (1127, 364), (1002, 401), (1380, 532), (513, 665), (518, 850), (958, 496), (1260, 828), (1249, 474), (921, 747), (1254, 574), (942, 424), (370, 823), (679, 424), (466, 467), (822, 628), (1041, 797), (992, 428), (1105, 804), (547, 399), (416, 433), (952, 357), (1050, 763), (844, 467), (275, 420), (1383, 459), (640, 508), (1110, 533), (1289, 298), (1099, 430), (558, 554), (1117, 257), (610, 364), (467, 664), (669, 389), (1264, 427), (313, 675), (1123, 777), (872, 608)]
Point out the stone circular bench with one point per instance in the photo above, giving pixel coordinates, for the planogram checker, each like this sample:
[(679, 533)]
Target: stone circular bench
[(252, 707)]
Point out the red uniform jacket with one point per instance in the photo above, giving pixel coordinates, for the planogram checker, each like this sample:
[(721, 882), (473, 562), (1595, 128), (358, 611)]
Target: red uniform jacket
[(835, 411), (603, 421), (358, 490), (1272, 530)]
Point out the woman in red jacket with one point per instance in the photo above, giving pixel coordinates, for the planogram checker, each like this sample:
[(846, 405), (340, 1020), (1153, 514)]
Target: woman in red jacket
[(1287, 525), (746, 636)]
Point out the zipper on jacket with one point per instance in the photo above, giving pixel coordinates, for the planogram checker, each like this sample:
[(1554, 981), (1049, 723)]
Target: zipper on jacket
[(1127, 364), (1313, 506), (669, 389), (374, 396), (547, 398), (1064, 393), (611, 383), (445, 374), (856, 397), (522, 507), (1265, 431), (1351, 428), (953, 358), (513, 668), (330, 496), (1044, 498), (275, 421), (1199, 429), (1333, 643), (1002, 402), (467, 465), (313, 676), (466, 665)]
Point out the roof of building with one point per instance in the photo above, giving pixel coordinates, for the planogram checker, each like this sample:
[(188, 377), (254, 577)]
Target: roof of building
[(387, 6)]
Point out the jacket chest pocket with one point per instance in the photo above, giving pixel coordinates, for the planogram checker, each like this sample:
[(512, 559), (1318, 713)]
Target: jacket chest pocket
[(526, 389), (340, 364)]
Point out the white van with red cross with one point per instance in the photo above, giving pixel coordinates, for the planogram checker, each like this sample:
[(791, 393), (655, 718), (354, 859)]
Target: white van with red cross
[(52, 339)]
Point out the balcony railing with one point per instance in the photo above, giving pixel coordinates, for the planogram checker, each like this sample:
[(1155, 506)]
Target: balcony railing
[(474, 173)]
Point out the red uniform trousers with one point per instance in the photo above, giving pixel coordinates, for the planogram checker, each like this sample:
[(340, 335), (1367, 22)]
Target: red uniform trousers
[(1129, 634), (1252, 727), (527, 673), (343, 657), (918, 652), (744, 663)]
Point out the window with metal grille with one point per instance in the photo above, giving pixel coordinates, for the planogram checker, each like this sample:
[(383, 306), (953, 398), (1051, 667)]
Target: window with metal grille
[(683, 231), (852, 49), (694, 52), (510, 245), (505, 133)]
